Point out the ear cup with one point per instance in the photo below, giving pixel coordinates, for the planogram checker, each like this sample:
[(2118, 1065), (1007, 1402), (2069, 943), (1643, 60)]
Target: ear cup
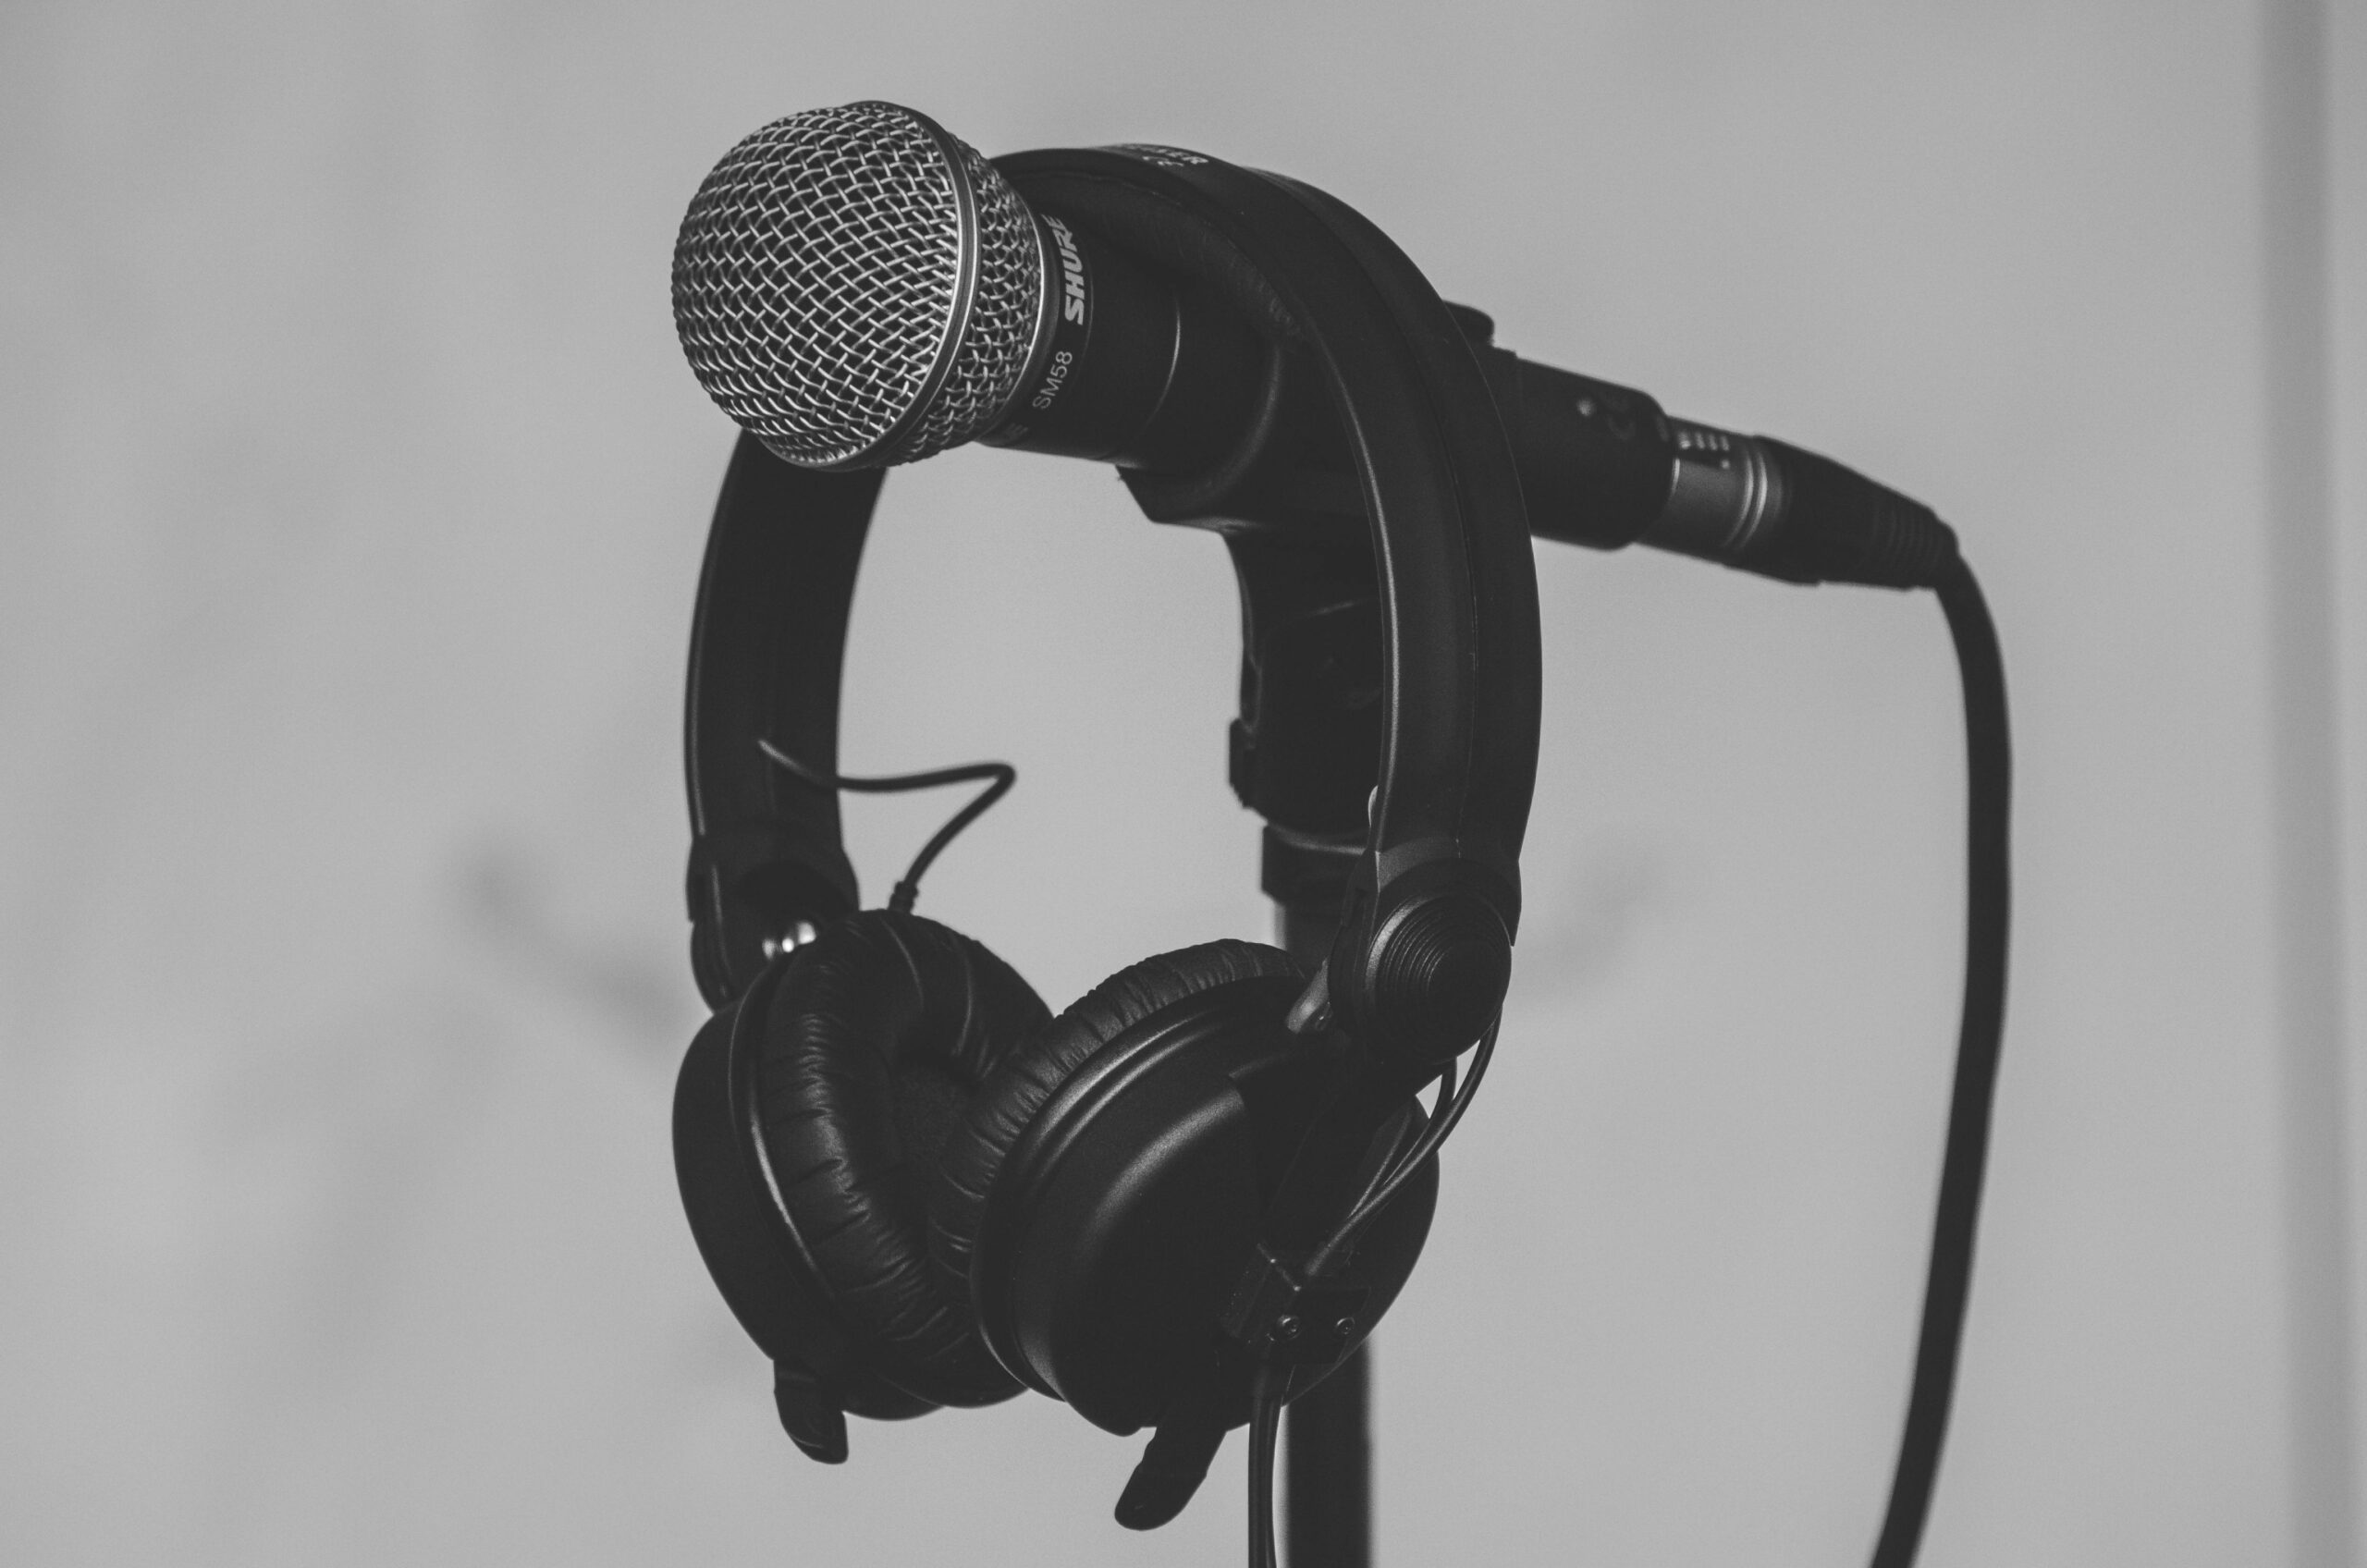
[(1025, 1083), (1105, 1193), (879, 1036)]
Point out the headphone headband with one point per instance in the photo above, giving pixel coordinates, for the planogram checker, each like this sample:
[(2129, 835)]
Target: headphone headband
[(1423, 951), (766, 643)]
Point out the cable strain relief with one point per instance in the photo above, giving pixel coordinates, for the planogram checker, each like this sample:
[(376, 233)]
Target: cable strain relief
[(1839, 526)]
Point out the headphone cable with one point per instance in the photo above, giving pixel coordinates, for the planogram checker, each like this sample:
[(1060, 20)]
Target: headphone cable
[(1454, 1101), (1264, 1401), (902, 898)]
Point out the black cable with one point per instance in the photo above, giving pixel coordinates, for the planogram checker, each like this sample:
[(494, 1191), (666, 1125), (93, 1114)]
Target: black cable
[(1988, 770), (905, 892), (1454, 1100), (1265, 1424)]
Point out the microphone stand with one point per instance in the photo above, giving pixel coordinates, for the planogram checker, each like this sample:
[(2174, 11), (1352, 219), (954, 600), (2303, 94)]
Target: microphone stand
[(1305, 751), (1327, 1441)]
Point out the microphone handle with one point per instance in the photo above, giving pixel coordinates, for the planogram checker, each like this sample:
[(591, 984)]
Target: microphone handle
[(1603, 465), (1132, 370)]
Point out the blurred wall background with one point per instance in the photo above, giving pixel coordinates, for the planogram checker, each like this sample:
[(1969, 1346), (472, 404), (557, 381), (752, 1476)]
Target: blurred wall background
[(351, 496)]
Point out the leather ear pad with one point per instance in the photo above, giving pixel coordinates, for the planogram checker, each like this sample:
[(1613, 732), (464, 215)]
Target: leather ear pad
[(1024, 1084), (882, 1031), (771, 1291)]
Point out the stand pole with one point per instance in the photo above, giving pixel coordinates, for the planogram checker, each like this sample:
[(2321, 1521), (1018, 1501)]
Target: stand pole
[(1327, 1443), (1327, 1470)]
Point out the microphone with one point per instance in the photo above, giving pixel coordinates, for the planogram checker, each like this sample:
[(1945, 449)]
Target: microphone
[(858, 288)]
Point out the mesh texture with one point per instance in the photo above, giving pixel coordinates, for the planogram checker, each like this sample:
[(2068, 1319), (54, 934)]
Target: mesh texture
[(816, 274)]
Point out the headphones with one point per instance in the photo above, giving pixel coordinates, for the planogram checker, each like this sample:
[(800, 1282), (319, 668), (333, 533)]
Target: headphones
[(914, 1185)]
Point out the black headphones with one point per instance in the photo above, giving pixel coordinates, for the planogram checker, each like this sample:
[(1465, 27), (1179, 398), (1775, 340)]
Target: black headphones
[(914, 1186)]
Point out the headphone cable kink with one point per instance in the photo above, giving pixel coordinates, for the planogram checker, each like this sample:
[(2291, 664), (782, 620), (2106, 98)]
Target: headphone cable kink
[(1454, 1101), (902, 898)]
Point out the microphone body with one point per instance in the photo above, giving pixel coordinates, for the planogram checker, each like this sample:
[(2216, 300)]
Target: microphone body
[(792, 296), (1129, 367)]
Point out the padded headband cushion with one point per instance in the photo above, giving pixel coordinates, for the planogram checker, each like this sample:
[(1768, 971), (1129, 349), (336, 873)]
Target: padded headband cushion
[(880, 1034), (1026, 1084)]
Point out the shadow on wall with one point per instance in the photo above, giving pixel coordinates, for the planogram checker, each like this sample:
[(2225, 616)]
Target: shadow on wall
[(1591, 920), (509, 900)]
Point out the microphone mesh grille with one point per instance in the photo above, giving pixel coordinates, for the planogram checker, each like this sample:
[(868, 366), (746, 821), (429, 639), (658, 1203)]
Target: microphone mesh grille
[(816, 274)]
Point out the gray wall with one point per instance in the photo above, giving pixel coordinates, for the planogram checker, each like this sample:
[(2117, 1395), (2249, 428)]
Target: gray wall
[(352, 491)]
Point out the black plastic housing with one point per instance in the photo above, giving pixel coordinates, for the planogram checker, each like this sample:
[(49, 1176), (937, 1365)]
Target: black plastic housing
[(1124, 1217), (1133, 367), (1596, 460)]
